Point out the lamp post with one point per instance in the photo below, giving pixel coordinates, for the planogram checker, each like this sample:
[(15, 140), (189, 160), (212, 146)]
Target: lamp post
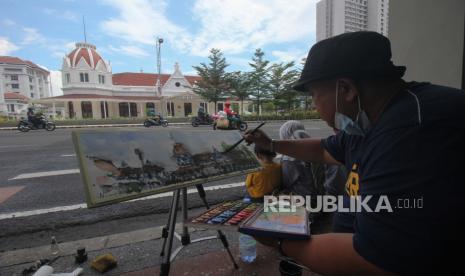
[(158, 48)]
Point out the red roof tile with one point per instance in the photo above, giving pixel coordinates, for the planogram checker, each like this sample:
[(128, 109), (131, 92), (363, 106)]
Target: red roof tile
[(94, 96), (145, 79), (16, 60), (15, 96)]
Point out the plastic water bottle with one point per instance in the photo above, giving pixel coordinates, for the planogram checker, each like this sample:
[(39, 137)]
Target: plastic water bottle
[(247, 248), (247, 245)]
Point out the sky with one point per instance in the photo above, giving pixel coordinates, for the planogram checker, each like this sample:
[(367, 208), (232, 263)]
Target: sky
[(125, 31)]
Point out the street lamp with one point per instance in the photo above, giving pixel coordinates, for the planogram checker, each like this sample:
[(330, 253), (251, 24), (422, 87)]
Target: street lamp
[(158, 48)]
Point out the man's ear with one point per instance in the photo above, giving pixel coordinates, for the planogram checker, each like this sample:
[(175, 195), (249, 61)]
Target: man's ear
[(347, 89)]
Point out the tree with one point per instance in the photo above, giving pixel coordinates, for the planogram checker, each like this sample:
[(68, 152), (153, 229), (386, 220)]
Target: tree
[(239, 83), (282, 77), (213, 84), (259, 78)]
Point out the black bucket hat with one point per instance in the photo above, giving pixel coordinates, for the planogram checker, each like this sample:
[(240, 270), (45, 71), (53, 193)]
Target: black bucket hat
[(358, 54)]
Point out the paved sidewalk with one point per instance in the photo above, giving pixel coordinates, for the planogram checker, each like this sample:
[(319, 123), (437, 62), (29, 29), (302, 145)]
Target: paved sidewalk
[(218, 263)]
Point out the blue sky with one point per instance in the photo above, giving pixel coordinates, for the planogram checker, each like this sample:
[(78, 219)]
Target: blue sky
[(125, 31)]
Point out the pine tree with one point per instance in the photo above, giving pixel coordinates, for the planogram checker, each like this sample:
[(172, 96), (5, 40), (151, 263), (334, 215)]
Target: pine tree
[(282, 77), (213, 85), (259, 78), (239, 83)]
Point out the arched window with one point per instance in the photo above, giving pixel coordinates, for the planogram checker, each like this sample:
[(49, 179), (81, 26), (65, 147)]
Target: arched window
[(86, 108), (123, 109), (150, 109), (133, 109)]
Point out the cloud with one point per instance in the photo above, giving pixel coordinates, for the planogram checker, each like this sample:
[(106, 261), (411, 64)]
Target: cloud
[(129, 50), (234, 26), (67, 15), (290, 55), (31, 36), (60, 48), (141, 21), (7, 47), (8, 22)]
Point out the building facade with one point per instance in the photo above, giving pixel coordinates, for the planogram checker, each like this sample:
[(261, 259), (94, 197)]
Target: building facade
[(20, 80), (91, 90), (334, 17)]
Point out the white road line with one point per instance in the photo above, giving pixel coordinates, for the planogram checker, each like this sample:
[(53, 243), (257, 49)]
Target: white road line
[(16, 146), (68, 155), (43, 174), (83, 205)]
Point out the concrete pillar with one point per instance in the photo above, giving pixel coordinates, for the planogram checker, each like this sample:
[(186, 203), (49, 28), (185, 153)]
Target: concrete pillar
[(96, 111)]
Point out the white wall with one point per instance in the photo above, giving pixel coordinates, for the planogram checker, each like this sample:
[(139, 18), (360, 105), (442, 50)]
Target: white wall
[(427, 36)]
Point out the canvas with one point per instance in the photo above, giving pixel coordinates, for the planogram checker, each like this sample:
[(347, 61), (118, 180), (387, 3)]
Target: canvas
[(122, 165)]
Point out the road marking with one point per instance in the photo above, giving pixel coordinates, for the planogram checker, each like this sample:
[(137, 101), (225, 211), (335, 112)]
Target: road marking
[(16, 146), (68, 155), (83, 205), (43, 174)]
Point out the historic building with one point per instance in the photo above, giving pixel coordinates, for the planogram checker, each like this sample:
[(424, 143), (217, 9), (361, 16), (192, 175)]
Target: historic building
[(91, 90)]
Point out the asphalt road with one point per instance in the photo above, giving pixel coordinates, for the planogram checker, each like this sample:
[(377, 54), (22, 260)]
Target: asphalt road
[(42, 200)]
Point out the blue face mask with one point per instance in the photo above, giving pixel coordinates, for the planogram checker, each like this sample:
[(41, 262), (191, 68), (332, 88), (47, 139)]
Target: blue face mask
[(344, 123)]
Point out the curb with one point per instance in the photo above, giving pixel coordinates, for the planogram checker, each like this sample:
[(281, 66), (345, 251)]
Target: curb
[(140, 125)]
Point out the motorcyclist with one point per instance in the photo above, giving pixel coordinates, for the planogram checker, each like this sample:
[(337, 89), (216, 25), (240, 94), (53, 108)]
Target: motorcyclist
[(31, 116), (232, 116), (201, 114)]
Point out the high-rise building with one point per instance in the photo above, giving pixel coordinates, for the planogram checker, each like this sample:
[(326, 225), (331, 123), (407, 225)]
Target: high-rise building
[(335, 17)]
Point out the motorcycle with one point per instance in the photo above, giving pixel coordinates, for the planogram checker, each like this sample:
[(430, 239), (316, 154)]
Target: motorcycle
[(224, 123), (42, 123), (155, 122), (206, 120)]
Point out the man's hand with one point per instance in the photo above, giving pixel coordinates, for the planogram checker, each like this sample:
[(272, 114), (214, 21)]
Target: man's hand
[(259, 138)]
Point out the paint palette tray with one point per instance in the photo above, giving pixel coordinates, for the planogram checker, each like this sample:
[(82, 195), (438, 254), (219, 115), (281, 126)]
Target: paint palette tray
[(227, 215)]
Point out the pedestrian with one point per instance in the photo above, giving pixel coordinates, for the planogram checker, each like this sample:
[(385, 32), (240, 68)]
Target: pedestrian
[(400, 142)]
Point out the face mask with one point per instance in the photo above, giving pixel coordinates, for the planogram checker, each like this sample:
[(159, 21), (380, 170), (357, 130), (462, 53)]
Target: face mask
[(346, 124)]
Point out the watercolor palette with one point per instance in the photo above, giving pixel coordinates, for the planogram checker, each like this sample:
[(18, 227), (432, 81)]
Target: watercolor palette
[(227, 214)]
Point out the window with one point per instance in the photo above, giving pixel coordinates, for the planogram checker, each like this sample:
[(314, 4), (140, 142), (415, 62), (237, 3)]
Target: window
[(11, 107), (31, 87), (204, 106), (150, 109), (170, 108), (133, 109), (30, 79), (123, 109), (101, 79), (220, 106), (71, 110), (32, 95), (14, 77), (86, 108), (177, 84), (104, 109), (15, 85), (84, 77), (68, 78)]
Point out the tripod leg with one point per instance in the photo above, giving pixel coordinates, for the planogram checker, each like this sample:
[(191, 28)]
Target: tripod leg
[(164, 231), (165, 265), (185, 238), (202, 195), (221, 236)]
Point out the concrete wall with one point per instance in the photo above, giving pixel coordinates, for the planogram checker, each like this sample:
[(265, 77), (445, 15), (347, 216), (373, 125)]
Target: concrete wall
[(427, 36)]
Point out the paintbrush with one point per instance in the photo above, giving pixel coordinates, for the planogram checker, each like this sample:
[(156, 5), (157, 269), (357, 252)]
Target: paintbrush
[(240, 141)]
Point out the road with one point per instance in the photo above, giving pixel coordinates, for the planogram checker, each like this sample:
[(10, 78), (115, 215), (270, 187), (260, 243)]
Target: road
[(41, 192)]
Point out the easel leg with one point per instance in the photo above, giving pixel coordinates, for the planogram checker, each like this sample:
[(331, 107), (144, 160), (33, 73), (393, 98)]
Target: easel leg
[(164, 232), (221, 236), (165, 266), (185, 238)]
